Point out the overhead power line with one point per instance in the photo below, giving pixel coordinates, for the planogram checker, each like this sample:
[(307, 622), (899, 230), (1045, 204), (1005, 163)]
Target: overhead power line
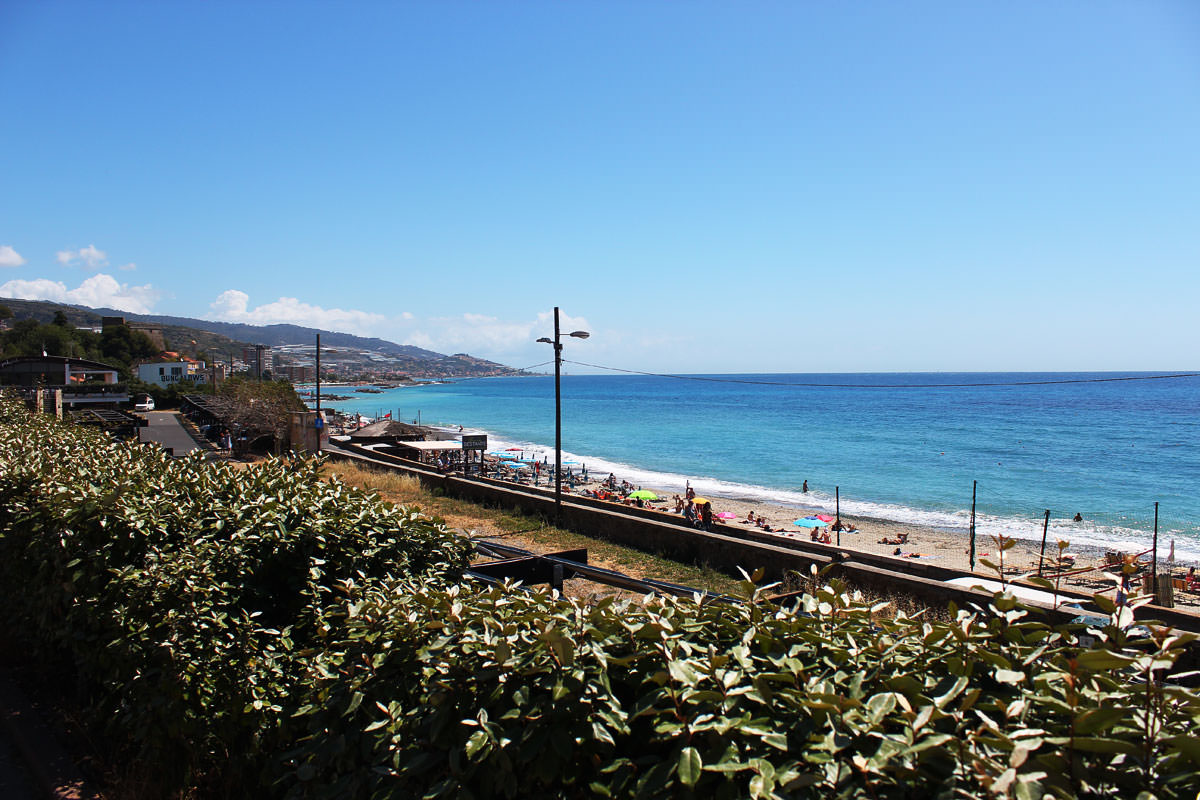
[(887, 385)]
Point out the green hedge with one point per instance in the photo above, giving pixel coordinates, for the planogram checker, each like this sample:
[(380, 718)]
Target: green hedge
[(496, 693), (269, 634), (186, 594)]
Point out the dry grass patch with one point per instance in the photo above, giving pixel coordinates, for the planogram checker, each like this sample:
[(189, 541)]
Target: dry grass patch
[(527, 532)]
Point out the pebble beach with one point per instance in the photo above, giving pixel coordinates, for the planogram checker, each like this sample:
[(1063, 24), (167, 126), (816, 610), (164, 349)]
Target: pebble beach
[(948, 548)]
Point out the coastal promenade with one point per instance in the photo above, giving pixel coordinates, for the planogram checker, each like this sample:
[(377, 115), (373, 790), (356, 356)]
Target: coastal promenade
[(727, 548)]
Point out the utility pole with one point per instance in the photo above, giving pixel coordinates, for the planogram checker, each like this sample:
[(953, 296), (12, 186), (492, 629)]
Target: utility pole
[(557, 345)]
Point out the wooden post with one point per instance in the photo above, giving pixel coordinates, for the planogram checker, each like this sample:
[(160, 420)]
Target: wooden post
[(974, 486), (1042, 557)]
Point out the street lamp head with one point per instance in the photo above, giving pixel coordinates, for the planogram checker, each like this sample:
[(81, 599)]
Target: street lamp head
[(547, 341), (579, 334)]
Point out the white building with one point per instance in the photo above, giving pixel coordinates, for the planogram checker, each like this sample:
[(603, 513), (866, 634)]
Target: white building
[(165, 373)]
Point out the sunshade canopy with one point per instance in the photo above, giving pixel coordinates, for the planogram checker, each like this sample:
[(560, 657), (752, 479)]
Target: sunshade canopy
[(432, 447)]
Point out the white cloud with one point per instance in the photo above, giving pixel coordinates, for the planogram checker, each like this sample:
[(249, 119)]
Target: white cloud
[(90, 256), (130, 267), (234, 306), (10, 257), (97, 291)]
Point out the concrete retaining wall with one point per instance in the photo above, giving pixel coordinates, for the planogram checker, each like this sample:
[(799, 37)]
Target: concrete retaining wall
[(725, 548)]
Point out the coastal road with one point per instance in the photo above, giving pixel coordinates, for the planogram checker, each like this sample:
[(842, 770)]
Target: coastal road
[(164, 428)]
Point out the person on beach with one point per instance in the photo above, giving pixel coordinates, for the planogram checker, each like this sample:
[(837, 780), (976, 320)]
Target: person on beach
[(689, 512), (1078, 517), (706, 516), (805, 487), (690, 493), (678, 504)]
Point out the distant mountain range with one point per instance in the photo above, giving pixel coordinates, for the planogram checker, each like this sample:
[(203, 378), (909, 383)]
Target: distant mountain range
[(275, 335), (186, 334)]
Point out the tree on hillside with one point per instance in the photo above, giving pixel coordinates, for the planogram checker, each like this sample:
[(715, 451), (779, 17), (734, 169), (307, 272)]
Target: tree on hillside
[(120, 346), (5, 312), (28, 337), (261, 407)]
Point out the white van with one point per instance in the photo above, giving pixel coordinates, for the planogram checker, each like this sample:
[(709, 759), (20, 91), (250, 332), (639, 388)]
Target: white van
[(143, 402)]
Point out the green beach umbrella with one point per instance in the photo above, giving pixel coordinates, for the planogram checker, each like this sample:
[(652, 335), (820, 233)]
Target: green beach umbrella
[(643, 494)]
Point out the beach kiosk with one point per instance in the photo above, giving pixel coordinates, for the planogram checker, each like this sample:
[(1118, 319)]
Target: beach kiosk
[(430, 452)]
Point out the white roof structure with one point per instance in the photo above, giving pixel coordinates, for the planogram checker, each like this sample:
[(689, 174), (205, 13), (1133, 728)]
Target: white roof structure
[(432, 447)]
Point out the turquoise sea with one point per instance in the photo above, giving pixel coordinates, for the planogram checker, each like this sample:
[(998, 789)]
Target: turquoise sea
[(897, 446)]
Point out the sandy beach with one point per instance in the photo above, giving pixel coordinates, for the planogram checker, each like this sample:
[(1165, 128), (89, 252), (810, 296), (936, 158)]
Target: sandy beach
[(947, 548)]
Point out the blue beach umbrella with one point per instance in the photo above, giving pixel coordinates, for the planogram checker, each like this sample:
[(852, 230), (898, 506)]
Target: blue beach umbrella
[(809, 523)]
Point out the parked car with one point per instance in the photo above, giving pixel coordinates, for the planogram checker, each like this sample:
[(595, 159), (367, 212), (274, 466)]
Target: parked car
[(143, 402)]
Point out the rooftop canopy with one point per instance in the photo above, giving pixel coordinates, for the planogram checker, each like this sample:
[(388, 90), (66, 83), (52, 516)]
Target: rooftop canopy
[(432, 447)]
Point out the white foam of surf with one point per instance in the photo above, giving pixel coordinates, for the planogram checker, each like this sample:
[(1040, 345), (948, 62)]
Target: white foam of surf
[(1086, 534)]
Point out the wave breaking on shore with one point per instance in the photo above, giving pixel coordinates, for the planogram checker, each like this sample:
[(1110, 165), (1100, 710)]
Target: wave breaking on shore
[(1087, 534)]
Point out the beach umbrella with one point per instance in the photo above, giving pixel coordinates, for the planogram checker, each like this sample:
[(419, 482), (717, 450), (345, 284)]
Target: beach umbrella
[(823, 517), (809, 523), (727, 515), (699, 500), (643, 494)]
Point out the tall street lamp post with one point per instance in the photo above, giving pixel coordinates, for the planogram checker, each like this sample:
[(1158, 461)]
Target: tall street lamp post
[(558, 412)]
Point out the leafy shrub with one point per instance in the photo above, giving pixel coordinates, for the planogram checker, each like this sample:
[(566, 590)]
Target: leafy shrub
[(263, 633), (501, 693), (187, 593)]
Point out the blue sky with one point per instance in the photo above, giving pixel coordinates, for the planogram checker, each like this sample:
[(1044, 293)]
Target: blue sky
[(706, 187)]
